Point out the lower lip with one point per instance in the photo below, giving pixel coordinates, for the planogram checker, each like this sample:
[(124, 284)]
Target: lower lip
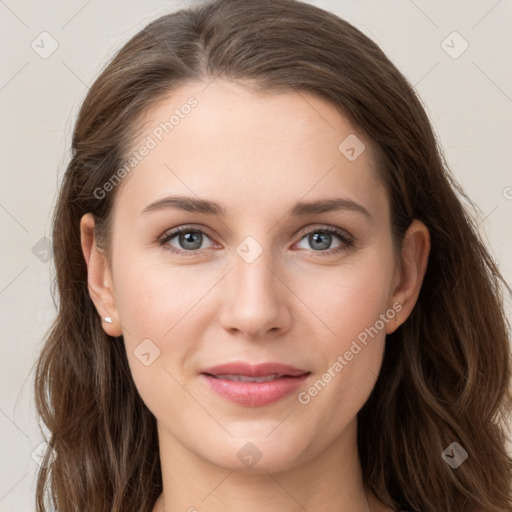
[(254, 394)]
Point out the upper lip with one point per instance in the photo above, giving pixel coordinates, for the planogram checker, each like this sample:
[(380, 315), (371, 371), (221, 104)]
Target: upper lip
[(254, 370)]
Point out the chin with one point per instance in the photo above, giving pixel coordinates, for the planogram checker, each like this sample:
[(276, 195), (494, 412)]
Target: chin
[(257, 454)]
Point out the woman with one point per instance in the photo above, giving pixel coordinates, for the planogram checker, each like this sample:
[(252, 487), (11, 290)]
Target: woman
[(271, 296)]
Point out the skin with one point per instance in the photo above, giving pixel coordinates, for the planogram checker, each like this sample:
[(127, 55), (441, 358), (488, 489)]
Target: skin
[(256, 155)]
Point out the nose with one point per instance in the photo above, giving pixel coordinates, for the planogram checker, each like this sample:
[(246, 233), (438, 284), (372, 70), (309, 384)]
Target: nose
[(256, 301)]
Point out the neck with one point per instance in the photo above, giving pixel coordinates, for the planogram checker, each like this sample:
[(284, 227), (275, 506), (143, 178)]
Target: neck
[(160, 505)]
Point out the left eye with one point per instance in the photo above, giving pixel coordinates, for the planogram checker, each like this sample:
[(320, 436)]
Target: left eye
[(321, 239)]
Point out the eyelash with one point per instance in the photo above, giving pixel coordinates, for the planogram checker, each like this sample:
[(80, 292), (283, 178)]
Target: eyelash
[(347, 240)]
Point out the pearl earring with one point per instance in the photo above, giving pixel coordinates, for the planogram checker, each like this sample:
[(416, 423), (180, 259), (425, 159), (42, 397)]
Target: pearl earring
[(107, 320)]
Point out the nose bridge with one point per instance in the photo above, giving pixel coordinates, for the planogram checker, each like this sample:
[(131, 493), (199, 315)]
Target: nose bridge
[(254, 301), (251, 274)]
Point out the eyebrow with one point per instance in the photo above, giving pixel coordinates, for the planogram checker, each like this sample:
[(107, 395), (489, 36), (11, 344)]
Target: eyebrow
[(300, 209)]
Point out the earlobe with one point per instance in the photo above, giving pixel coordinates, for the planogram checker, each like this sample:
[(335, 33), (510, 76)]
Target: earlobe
[(99, 280), (413, 265), (393, 325)]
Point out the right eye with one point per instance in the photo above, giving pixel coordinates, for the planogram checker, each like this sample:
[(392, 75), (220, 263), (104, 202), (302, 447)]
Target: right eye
[(189, 240)]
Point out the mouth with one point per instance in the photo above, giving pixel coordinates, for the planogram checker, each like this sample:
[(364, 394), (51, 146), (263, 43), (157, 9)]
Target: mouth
[(254, 386)]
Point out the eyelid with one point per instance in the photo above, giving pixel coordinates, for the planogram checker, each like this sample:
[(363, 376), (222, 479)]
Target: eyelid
[(323, 227), (184, 227)]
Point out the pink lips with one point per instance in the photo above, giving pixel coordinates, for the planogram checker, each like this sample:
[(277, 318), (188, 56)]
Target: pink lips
[(254, 394)]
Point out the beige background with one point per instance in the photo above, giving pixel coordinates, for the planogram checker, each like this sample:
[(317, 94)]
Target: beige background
[(468, 98)]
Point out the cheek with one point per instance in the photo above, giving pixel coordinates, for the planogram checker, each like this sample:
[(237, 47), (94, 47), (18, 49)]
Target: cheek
[(156, 313), (153, 299), (350, 299), (354, 309)]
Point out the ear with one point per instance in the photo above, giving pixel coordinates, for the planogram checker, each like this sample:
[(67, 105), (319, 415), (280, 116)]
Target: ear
[(412, 267), (99, 279)]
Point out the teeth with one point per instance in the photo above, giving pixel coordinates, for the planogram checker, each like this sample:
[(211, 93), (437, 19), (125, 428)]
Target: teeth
[(243, 378)]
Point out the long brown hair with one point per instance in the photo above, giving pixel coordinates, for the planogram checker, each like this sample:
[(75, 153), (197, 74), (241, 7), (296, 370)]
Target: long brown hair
[(446, 372)]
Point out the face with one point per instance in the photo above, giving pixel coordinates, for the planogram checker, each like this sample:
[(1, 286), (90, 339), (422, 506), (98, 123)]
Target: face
[(260, 279)]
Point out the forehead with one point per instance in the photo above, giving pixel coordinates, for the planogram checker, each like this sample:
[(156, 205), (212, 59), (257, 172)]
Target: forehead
[(244, 149)]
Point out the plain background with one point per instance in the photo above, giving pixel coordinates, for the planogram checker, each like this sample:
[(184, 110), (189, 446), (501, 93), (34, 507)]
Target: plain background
[(468, 97)]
